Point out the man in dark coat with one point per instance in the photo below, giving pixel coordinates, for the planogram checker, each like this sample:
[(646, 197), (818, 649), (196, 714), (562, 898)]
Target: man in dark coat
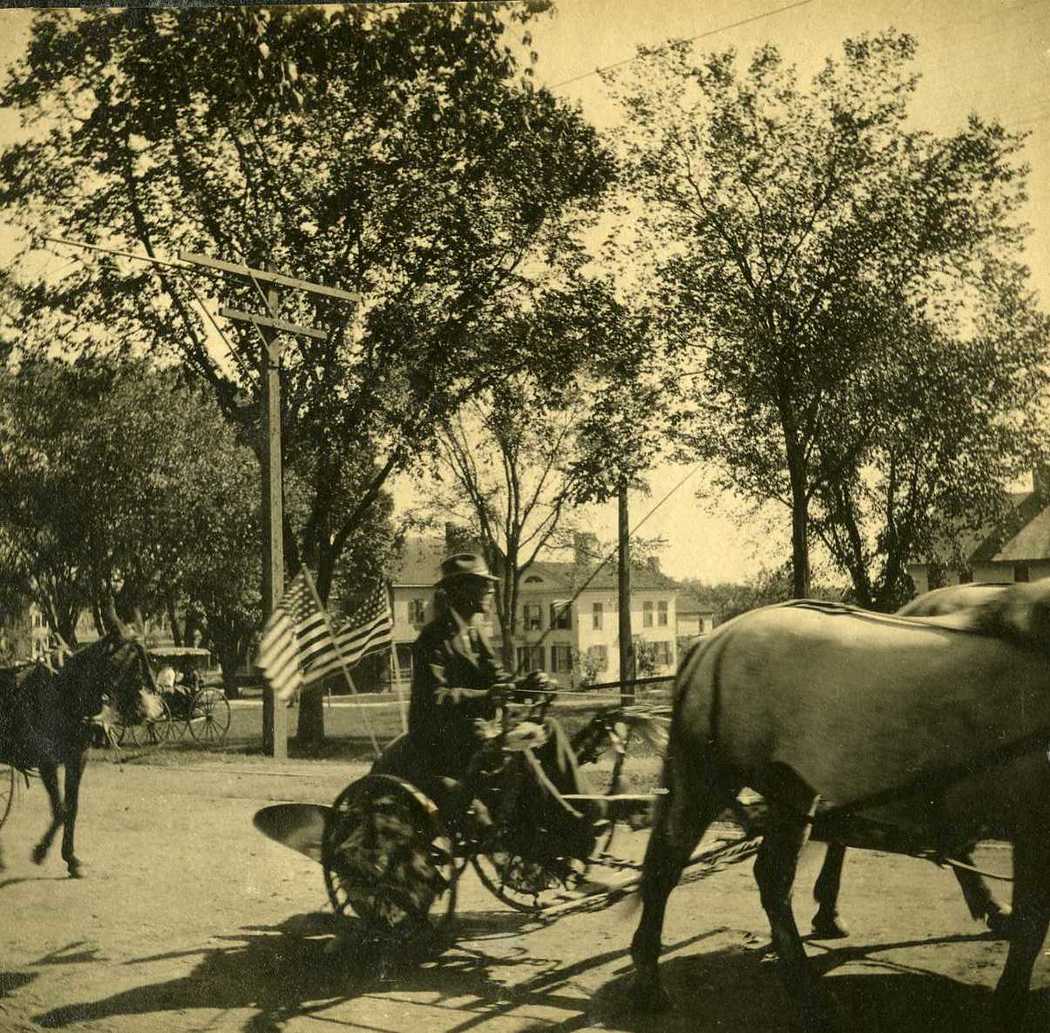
[(458, 685)]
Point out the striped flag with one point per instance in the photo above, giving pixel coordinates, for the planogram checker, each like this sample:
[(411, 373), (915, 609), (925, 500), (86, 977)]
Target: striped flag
[(369, 628), (295, 635)]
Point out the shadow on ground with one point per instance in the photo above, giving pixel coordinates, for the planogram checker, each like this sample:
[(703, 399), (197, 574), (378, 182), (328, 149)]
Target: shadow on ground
[(737, 989), (284, 971)]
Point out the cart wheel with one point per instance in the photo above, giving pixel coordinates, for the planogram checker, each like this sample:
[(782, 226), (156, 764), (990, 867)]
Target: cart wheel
[(7, 791), (387, 856), (209, 717), (161, 729), (124, 734), (525, 884)]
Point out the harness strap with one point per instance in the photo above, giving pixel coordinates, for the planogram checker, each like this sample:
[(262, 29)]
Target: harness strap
[(937, 782)]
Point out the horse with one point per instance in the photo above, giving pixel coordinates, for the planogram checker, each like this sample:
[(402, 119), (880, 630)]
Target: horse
[(48, 716), (827, 924), (925, 732)]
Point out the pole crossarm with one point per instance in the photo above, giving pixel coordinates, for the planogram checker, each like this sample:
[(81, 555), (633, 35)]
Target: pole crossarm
[(281, 325), (247, 272)]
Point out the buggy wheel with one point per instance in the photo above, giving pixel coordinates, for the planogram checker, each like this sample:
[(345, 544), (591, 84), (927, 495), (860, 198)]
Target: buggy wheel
[(125, 734), (524, 884), (160, 729), (7, 791), (209, 717), (387, 857)]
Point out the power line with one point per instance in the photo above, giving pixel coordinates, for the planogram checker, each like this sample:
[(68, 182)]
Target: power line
[(690, 39)]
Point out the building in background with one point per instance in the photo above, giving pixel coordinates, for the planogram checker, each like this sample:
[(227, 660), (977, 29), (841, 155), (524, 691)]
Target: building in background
[(575, 640), (1019, 550)]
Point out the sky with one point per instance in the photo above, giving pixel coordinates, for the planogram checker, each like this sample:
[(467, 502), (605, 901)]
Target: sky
[(988, 56)]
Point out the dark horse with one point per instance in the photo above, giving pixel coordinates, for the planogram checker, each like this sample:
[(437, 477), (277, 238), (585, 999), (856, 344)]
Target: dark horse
[(827, 924), (47, 719), (921, 733)]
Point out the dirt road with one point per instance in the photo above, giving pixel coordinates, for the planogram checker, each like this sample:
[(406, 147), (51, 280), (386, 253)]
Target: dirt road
[(190, 920)]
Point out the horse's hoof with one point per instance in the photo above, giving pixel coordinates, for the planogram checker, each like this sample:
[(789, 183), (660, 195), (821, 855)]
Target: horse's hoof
[(828, 927), (39, 853), (649, 996), (1000, 922), (76, 870)]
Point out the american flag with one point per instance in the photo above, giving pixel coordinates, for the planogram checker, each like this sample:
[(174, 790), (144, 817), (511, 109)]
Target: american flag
[(370, 627), (295, 635)]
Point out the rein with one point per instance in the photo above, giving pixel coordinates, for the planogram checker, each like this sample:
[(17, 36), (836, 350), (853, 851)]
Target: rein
[(939, 781)]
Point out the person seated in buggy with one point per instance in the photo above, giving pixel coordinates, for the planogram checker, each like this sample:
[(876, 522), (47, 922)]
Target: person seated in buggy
[(456, 711)]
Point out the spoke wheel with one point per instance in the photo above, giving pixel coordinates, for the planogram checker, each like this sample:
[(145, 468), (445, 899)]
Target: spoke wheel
[(209, 718), (528, 883), (160, 729), (387, 857), (7, 791), (125, 734)]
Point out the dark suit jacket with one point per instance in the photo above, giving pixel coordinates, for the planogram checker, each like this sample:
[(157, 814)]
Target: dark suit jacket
[(451, 680)]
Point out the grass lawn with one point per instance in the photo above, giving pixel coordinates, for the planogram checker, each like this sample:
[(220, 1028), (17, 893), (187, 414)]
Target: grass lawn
[(349, 731)]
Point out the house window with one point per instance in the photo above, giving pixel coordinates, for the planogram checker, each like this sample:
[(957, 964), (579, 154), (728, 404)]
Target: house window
[(647, 614), (597, 615), (662, 654), (1021, 572), (561, 659), (661, 613), (404, 661), (599, 657), (532, 617), (417, 611), (561, 615), (530, 658)]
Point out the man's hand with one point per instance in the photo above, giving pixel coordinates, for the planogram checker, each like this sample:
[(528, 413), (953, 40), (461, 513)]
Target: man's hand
[(539, 683)]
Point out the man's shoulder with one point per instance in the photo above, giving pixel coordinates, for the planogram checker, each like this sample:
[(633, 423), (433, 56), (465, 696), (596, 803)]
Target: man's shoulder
[(440, 629)]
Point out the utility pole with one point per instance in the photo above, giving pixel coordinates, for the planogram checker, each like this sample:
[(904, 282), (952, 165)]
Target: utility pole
[(269, 327), (624, 603)]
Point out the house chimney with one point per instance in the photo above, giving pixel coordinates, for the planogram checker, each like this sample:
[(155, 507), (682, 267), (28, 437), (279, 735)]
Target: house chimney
[(652, 563)]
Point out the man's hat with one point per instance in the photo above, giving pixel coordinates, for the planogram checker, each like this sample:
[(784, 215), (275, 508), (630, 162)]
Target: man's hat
[(462, 565)]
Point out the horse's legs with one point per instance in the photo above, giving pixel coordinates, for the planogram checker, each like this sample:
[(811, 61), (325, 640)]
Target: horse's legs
[(695, 796), (74, 772), (789, 828), (49, 776), (979, 898), (1031, 918), (826, 922)]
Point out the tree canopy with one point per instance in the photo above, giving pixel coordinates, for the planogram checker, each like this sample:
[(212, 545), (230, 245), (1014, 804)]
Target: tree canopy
[(809, 245), (398, 152)]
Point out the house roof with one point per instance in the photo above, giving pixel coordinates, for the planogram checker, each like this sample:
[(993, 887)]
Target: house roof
[(1032, 542), (688, 602), (420, 562), (1024, 535)]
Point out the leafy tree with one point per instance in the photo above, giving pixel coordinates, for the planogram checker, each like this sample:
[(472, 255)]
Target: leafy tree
[(797, 237), (501, 471), (394, 151)]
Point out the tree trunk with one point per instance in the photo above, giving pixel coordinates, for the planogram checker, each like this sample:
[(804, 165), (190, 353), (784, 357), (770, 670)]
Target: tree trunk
[(799, 531), (310, 730)]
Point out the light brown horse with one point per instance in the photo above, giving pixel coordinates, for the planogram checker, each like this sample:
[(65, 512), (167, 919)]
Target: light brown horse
[(930, 730), (827, 923), (48, 716)]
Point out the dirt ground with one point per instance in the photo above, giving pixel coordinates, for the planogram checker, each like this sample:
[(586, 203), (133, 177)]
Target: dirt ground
[(191, 920)]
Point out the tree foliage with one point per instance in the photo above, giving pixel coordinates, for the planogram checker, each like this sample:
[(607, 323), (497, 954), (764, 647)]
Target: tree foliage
[(398, 152), (814, 250)]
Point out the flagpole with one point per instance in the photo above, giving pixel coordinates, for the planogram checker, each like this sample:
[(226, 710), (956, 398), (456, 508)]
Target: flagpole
[(339, 654), (397, 666)]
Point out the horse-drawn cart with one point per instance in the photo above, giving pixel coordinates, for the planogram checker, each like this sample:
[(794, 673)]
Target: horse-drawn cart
[(189, 706), (394, 859)]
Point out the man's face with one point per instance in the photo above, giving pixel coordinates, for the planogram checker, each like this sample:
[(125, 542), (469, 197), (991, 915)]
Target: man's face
[(477, 595)]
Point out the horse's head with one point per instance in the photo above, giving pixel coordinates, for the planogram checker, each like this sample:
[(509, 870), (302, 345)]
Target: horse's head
[(114, 672), (1020, 612)]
